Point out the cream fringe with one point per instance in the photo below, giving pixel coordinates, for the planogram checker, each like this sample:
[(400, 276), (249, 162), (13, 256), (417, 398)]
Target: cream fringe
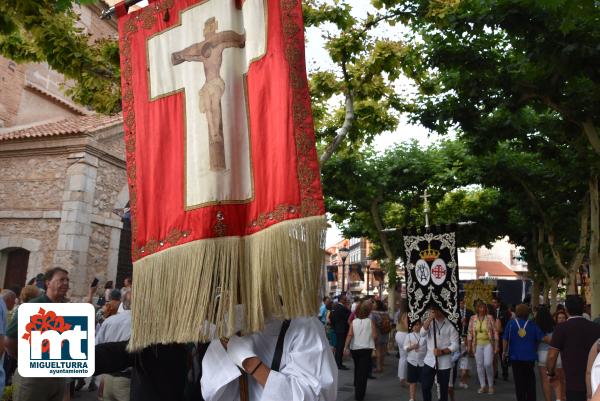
[(273, 273)]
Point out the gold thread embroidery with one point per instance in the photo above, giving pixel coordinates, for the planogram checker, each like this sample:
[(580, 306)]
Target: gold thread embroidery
[(220, 228), (301, 113), (276, 215), (147, 18)]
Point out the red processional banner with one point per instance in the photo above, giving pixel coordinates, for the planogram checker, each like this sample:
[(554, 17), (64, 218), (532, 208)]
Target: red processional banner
[(225, 193)]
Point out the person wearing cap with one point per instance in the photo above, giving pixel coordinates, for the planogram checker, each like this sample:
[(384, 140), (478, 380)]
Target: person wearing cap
[(442, 342)]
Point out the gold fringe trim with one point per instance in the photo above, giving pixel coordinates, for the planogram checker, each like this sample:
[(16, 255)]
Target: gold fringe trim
[(272, 273)]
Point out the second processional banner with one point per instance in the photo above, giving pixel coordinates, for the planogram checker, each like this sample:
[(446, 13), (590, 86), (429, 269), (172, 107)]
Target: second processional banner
[(223, 173), (432, 274)]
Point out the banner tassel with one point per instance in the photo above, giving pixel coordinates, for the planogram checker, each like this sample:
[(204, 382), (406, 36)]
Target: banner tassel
[(188, 293)]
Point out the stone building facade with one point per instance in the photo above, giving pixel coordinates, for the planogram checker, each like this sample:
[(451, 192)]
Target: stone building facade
[(62, 174), (59, 185)]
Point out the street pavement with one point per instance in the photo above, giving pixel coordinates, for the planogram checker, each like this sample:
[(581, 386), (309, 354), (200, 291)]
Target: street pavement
[(387, 386)]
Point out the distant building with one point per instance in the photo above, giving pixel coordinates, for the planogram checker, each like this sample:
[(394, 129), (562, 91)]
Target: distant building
[(359, 270), (501, 261)]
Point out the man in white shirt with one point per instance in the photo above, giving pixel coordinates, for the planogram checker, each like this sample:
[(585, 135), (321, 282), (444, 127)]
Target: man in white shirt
[(442, 341), (307, 371)]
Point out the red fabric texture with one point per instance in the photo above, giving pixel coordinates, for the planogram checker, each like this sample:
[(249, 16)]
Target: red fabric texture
[(284, 160)]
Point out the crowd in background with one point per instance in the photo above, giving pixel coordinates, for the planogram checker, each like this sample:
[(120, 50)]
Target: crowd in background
[(562, 348)]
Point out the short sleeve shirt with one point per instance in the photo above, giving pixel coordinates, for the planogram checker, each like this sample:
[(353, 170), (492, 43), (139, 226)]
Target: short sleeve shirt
[(12, 330), (573, 339), (522, 348)]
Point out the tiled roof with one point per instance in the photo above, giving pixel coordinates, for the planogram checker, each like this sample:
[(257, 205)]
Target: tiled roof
[(494, 269), (67, 126)]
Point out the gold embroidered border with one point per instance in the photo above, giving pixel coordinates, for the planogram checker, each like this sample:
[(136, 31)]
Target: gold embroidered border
[(291, 19), (145, 19), (277, 215), (153, 245)]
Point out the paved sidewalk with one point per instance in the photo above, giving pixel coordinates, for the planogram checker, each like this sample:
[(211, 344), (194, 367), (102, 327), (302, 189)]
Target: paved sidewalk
[(387, 386)]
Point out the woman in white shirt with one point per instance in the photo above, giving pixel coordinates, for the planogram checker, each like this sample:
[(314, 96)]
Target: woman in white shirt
[(415, 348), (401, 334), (360, 342)]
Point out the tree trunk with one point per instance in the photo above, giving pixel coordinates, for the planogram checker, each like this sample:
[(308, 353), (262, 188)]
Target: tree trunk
[(591, 133), (391, 265), (343, 131), (535, 293), (594, 253), (546, 294), (572, 283), (553, 299), (573, 267)]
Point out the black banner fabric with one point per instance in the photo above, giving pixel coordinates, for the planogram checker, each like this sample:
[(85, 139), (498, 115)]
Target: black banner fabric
[(432, 275)]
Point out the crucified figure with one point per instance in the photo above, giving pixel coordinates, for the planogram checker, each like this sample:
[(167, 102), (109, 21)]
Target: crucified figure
[(210, 52)]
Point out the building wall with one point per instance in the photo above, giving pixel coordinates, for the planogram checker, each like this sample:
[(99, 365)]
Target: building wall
[(32, 182), (35, 108), (36, 234), (19, 106), (12, 81), (93, 25), (106, 226)]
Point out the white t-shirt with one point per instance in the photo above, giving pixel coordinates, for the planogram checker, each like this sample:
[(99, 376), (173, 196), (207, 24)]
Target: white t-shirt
[(415, 357), (362, 334)]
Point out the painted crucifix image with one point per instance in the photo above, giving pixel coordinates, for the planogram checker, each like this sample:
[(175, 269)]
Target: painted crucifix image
[(210, 53)]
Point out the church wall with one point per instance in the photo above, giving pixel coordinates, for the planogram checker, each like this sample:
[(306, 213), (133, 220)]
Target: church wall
[(24, 232), (109, 183), (106, 233), (92, 24), (40, 178), (15, 99), (35, 107), (12, 80), (115, 145), (99, 253)]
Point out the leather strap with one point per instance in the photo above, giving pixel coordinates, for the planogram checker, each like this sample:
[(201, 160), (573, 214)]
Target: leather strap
[(279, 347)]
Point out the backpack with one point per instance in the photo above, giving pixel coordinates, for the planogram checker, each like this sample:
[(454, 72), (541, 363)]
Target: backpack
[(386, 324)]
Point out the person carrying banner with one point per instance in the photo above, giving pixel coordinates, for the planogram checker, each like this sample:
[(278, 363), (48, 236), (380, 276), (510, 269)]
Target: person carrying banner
[(442, 341), (289, 360)]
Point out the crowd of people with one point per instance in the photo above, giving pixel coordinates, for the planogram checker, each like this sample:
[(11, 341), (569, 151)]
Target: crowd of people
[(288, 360), (113, 320), (299, 359), (561, 348)]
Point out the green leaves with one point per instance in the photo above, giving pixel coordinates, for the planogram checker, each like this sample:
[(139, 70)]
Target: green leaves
[(33, 31)]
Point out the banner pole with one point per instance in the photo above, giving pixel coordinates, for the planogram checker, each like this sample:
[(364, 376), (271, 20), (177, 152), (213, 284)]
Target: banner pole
[(109, 12), (426, 210)]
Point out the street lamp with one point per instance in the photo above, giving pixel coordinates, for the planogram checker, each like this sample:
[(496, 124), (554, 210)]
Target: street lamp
[(343, 253), (368, 268)]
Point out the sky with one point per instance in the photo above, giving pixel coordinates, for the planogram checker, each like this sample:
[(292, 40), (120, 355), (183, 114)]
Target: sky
[(317, 57)]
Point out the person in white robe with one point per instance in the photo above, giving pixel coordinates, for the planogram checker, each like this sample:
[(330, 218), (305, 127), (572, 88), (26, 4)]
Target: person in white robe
[(307, 370)]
